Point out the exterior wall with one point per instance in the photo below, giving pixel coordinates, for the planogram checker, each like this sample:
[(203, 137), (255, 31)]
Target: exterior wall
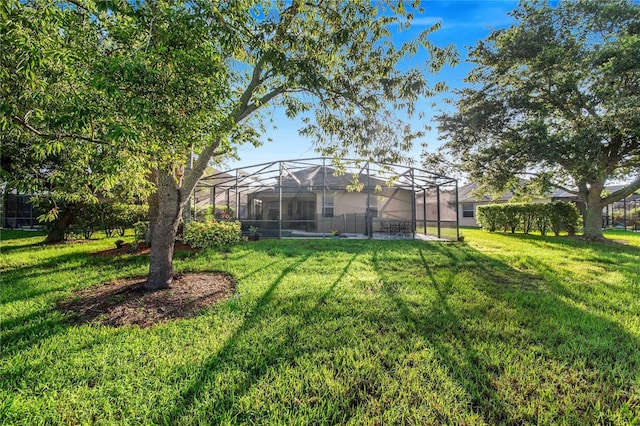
[(391, 203), (468, 221), (349, 209)]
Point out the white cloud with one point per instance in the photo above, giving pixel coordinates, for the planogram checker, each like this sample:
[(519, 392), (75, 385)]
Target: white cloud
[(425, 21)]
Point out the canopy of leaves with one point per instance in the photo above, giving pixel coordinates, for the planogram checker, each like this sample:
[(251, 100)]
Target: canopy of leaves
[(95, 95), (557, 96), (134, 85)]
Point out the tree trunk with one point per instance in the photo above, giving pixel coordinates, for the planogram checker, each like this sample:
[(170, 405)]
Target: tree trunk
[(153, 218), (592, 228), (169, 208), (60, 226), (593, 221)]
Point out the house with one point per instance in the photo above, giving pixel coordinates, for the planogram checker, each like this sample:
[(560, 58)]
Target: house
[(310, 196), (317, 199), (468, 201), (18, 212)]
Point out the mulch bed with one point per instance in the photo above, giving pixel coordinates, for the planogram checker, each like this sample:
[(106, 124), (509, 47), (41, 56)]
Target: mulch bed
[(124, 302)]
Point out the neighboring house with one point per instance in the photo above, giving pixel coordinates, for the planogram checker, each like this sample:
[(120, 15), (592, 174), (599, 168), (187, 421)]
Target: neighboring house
[(468, 202), (17, 211)]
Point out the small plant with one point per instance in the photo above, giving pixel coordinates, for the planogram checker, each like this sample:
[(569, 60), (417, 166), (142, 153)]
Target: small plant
[(253, 233), (336, 233), (139, 233)]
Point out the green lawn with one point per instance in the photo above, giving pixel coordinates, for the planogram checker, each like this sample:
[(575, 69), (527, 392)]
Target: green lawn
[(505, 329)]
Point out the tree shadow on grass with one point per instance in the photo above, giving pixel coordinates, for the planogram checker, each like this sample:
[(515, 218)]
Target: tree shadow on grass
[(583, 343), (621, 258), (269, 353), (595, 351), (39, 279), (226, 352), (41, 286), (438, 325), (567, 244)]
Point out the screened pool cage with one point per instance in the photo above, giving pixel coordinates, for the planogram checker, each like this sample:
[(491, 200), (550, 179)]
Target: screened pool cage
[(312, 197)]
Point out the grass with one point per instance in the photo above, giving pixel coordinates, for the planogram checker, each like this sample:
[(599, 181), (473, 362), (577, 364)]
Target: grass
[(501, 329)]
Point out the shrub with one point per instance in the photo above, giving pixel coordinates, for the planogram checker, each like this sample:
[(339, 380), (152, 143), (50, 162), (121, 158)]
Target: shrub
[(527, 217), (140, 231), (557, 216), (109, 217), (88, 219), (572, 219), (541, 218), (120, 216), (224, 213), (510, 217), (487, 217), (219, 212), (212, 233), (205, 214)]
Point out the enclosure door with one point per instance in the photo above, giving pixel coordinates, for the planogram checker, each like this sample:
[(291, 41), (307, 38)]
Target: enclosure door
[(301, 214)]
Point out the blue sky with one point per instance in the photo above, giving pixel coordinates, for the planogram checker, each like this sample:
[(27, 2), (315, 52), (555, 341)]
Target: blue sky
[(464, 22)]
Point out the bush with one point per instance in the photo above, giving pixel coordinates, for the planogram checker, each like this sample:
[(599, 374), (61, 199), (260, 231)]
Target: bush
[(209, 213), (88, 219), (557, 216), (109, 217), (224, 213), (572, 218), (120, 216), (140, 231), (563, 217), (541, 217), (487, 217), (212, 233), (510, 217)]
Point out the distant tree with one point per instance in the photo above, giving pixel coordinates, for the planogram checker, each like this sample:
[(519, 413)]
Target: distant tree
[(556, 97), (155, 80)]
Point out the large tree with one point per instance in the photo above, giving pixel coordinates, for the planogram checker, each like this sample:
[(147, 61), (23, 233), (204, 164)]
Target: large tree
[(555, 97), (165, 78)]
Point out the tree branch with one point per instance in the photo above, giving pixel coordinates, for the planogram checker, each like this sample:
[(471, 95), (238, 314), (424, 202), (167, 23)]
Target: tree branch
[(622, 192), (79, 5), (60, 135), (241, 114), (191, 179), (248, 92), (555, 185)]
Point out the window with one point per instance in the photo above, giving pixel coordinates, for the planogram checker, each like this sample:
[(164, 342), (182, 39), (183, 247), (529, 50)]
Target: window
[(327, 208), (468, 210)]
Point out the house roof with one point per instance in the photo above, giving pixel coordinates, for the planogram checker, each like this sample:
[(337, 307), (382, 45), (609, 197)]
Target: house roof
[(465, 194), (312, 174)]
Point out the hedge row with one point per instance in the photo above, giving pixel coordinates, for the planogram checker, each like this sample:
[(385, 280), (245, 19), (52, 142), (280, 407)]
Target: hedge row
[(556, 217), (212, 233), (108, 217)]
